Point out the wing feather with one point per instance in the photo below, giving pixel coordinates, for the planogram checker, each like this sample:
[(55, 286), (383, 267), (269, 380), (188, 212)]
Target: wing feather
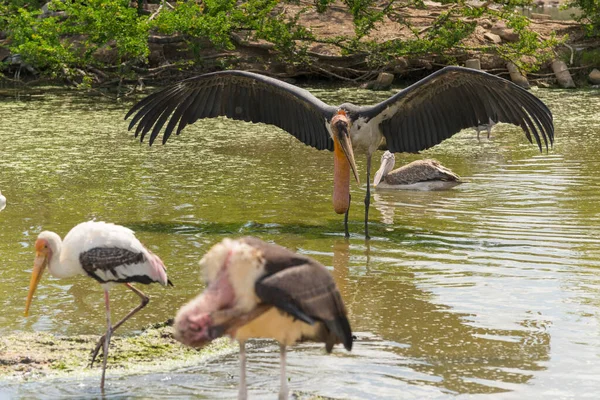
[(238, 95), (307, 292), (459, 98)]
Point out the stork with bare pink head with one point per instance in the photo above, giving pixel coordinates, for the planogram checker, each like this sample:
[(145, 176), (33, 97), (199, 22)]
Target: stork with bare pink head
[(262, 290)]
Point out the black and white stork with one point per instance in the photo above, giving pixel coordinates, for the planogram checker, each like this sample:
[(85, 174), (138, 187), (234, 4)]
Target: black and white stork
[(262, 290), (105, 252), (414, 119)]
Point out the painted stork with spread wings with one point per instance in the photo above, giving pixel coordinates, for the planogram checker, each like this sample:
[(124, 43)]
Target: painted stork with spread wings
[(107, 253), (262, 290), (414, 119)]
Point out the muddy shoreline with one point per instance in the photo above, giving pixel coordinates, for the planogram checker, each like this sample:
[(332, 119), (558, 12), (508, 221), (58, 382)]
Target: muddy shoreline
[(29, 356)]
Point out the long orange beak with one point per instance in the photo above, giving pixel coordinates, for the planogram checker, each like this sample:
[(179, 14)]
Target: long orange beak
[(39, 265), (341, 134), (346, 146), (343, 161)]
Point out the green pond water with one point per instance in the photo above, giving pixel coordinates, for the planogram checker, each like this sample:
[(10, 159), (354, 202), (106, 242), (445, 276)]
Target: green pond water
[(490, 289)]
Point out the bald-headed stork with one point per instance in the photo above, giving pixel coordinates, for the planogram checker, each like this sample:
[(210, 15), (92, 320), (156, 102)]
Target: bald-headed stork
[(414, 119), (107, 253), (262, 290), (424, 174)]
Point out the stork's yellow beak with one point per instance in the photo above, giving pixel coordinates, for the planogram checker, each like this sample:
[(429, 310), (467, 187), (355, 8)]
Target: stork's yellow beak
[(39, 265)]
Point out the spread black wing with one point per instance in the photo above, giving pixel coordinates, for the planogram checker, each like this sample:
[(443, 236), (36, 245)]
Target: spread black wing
[(238, 95), (455, 98)]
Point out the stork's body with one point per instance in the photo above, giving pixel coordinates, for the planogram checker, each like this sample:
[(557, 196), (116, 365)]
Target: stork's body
[(414, 119), (2, 202), (485, 127), (105, 252), (424, 175), (261, 290)]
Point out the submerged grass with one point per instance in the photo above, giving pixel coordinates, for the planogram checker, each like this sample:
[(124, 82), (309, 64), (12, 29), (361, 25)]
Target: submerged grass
[(29, 356)]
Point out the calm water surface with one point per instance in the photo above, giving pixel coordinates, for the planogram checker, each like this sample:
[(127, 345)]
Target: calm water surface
[(491, 289)]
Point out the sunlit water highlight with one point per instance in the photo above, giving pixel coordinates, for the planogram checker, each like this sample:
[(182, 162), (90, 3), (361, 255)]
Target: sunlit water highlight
[(490, 288)]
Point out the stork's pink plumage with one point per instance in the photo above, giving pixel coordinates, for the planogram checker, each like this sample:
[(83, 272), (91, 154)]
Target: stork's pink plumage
[(106, 252)]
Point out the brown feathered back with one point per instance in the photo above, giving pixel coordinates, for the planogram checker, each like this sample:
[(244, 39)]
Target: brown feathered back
[(305, 289)]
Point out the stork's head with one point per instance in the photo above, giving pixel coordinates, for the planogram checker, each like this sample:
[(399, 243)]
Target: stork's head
[(387, 164), (231, 269), (47, 246), (340, 129)]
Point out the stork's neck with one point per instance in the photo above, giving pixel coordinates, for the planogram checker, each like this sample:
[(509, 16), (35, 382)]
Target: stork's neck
[(54, 264), (341, 179), (62, 264)]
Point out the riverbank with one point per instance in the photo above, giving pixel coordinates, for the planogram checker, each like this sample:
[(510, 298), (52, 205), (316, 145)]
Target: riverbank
[(175, 57), (34, 357)]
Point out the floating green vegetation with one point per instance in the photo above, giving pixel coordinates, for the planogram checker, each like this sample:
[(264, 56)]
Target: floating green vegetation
[(34, 355)]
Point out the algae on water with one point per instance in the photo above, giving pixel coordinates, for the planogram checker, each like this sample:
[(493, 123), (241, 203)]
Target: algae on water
[(34, 355)]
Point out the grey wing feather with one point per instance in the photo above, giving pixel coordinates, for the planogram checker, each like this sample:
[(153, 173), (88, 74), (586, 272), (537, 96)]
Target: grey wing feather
[(456, 98), (308, 292), (108, 258), (238, 95), (103, 263), (420, 171)]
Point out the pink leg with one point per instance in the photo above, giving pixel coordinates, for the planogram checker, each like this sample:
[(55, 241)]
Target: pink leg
[(243, 389), (283, 390), (107, 338), (145, 301)]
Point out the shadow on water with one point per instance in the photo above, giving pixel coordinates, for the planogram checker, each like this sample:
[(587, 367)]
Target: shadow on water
[(331, 229)]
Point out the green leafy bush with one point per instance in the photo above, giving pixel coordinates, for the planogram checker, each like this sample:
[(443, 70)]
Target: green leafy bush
[(109, 33), (590, 16)]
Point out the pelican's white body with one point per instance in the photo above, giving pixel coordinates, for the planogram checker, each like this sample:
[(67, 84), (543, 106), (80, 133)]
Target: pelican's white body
[(424, 175), (428, 186), (65, 260)]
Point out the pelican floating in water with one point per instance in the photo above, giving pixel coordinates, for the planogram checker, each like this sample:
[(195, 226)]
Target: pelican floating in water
[(418, 175), (414, 119), (2, 202)]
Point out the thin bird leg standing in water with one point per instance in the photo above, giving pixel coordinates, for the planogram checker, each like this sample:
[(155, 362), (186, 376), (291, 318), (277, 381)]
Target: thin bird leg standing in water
[(283, 390), (368, 197), (347, 233), (242, 391), (145, 301), (107, 338)]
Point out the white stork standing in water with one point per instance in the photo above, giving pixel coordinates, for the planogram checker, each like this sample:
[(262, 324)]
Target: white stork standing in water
[(105, 252), (485, 127), (261, 290), (414, 119), (418, 175), (2, 202)]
